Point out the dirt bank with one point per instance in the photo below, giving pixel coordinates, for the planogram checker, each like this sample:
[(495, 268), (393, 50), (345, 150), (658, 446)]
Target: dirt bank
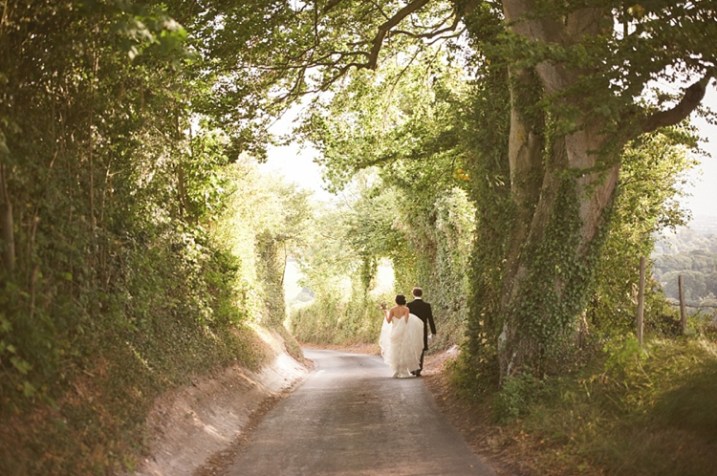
[(190, 424)]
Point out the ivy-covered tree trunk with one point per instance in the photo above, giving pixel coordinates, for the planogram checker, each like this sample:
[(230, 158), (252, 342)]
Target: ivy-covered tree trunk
[(564, 160), (553, 239)]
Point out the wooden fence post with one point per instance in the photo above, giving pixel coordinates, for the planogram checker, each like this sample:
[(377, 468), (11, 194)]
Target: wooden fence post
[(683, 314), (641, 302)]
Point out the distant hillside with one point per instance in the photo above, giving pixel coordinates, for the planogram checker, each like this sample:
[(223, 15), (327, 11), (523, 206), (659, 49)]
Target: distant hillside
[(692, 253), (704, 224)]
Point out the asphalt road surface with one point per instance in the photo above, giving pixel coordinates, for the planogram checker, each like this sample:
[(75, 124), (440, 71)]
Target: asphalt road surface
[(350, 417)]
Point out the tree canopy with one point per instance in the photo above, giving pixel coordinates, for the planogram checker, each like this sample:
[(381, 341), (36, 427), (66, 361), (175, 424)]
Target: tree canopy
[(564, 87), (516, 154)]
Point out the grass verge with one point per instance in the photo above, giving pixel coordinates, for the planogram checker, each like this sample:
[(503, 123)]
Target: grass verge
[(650, 411)]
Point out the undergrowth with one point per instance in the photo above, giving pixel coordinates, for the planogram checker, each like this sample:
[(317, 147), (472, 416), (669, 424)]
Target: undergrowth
[(97, 424), (633, 410)]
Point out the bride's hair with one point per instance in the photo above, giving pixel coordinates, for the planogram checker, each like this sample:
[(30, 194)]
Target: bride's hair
[(401, 300)]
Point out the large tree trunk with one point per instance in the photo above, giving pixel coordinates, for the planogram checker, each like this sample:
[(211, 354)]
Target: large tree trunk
[(561, 198), (548, 280), (558, 225)]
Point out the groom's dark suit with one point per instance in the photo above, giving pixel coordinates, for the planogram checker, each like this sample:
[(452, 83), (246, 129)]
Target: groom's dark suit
[(422, 309)]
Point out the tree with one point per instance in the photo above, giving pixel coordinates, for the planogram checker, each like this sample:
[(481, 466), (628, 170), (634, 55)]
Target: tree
[(404, 124), (580, 80), (565, 144), (338, 265)]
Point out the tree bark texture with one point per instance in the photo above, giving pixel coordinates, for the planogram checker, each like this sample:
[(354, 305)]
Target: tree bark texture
[(562, 194)]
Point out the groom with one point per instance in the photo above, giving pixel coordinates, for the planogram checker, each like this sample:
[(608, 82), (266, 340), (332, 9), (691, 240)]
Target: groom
[(422, 309)]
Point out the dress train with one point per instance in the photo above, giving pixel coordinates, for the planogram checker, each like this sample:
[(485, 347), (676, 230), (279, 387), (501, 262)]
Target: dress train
[(401, 344)]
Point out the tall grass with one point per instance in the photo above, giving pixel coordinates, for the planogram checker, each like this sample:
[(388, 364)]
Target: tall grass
[(633, 410)]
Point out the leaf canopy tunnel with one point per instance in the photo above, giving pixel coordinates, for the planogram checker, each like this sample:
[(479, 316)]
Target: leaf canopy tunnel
[(527, 111), (533, 103), (511, 157)]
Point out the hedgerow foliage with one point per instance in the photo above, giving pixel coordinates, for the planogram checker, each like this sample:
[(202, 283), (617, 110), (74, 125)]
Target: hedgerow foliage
[(119, 277)]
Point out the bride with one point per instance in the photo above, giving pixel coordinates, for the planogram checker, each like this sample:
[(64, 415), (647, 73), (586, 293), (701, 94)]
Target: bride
[(401, 339)]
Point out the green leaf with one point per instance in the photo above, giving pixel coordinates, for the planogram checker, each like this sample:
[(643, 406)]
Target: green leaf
[(20, 365)]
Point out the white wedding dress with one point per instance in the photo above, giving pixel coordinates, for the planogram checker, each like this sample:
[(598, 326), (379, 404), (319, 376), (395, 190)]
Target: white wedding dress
[(401, 344)]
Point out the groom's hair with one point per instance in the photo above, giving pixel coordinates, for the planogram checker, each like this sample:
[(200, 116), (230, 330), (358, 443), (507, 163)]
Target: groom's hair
[(400, 299), (418, 292)]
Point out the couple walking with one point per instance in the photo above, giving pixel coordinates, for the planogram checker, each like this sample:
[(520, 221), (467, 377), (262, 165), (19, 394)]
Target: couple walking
[(404, 334)]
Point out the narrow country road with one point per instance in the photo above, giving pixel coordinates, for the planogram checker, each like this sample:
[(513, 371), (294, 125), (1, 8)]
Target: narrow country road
[(350, 417)]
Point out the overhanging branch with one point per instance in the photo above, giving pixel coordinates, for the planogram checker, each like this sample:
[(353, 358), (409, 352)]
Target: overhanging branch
[(339, 63), (692, 98), (387, 26), (433, 33)]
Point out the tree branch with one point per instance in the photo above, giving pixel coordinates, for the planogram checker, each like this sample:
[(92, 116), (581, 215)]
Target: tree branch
[(371, 57), (324, 60), (692, 98), (447, 37), (378, 7), (386, 27), (433, 31)]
